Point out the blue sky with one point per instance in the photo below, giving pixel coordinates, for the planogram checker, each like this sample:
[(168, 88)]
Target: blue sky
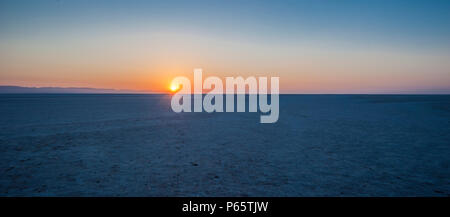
[(416, 21), (407, 30)]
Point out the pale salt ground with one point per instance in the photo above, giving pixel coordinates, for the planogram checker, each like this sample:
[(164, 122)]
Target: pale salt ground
[(134, 145)]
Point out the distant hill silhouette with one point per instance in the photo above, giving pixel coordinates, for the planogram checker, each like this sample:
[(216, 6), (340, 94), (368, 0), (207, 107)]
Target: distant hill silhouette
[(18, 89)]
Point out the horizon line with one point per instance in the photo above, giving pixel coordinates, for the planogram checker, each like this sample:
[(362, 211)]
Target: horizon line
[(86, 90)]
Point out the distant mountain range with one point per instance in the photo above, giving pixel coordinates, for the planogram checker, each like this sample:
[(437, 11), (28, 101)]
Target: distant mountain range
[(18, 89)]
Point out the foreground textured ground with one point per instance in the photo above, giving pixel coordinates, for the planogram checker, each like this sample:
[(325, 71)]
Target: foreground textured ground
[(133, 145)]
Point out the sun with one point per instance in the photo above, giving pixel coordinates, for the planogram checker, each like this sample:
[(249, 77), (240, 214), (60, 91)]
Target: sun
[(173, 87)]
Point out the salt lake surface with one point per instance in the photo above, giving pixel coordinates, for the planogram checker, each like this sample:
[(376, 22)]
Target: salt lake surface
[(134, 145)]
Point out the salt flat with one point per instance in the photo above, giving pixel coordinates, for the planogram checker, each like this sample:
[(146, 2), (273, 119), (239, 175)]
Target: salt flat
[(134, 145)]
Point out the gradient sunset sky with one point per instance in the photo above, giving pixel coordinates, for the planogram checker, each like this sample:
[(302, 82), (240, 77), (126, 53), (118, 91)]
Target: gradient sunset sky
[(335, 46)]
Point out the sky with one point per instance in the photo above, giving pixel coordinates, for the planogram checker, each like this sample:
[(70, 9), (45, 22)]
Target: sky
[(364, 46)]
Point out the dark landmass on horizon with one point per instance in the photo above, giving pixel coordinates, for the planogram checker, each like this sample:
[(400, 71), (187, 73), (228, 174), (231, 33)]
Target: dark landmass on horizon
[(19, 89)]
